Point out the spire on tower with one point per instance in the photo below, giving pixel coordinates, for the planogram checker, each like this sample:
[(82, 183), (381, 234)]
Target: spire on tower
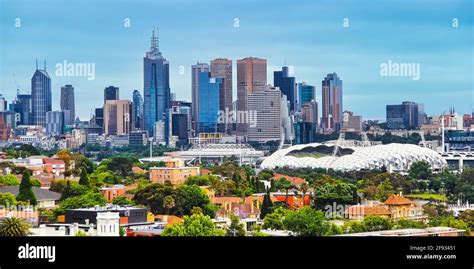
[(154, 41), (44, 64), (36, 63)]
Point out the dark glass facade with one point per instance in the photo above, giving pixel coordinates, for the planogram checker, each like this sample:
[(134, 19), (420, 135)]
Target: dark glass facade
[(209, 92), (40, 97), (286, 84), (156, 87)]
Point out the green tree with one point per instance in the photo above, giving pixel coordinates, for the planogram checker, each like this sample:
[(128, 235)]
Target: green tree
[(9, 180), (122, 201), (195, 225), (89, 199), (354, 226), (309, 222), (7, 199), (409, 224), (384, 190), (267, 205), (25, 192), (14, 227), (284, 184), (168, 203), (235, 228), (420, 170), (274, 220), (84, 179), (455, 223), (377, 223), (329, 191)]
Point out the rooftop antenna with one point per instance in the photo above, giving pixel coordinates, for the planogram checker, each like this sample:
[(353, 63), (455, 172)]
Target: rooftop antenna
[(44, 64)]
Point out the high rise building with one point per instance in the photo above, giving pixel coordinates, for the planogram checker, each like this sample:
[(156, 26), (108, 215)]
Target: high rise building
[(331, 102), (156, 86), (7, 124), (179, 124), (117, 117), (196, 69), (21, 106), (40, 96), (305, 93), (67, 104), (111, 93), (137, 110), (3, 103), (265, 120), (209, 91), (283, 80), (306, 123), (222, 68), (251, 78), (351, 122), (99, 117), (405, 116), (54, 122)]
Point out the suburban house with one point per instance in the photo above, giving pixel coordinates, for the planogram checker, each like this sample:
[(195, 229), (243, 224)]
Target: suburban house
[(395, 207), (45, 198)]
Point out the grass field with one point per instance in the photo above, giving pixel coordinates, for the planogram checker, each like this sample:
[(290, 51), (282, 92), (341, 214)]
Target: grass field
[(427, 196)]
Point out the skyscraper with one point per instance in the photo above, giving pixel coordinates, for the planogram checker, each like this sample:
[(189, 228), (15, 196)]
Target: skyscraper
[(286, 83), (40, 96), (54, 122), (222, 68), (196, 69), (21, 106), (3, 103), (305, 93), (251, 78), (156, 86), (266, 121), (117, 117), (405, 116), (67, 104), (331, 102), (111, 93), (209, 91), (137, 110)]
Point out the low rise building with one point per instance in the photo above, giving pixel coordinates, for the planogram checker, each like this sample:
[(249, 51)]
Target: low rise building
[(175, 171), (44, 198), (112, 192)]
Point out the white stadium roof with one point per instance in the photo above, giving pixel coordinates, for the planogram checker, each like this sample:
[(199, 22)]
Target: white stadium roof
[(395, 157)]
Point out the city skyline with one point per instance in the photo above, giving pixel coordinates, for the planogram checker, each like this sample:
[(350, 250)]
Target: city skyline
[(355, 53)]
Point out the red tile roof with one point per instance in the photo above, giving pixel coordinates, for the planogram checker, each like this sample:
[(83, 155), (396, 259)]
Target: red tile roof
[(397, 200), (367, 210), (53, 161), (297, 181)]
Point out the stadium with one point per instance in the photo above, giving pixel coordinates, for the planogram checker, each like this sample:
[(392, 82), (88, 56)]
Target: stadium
[(394, 157)]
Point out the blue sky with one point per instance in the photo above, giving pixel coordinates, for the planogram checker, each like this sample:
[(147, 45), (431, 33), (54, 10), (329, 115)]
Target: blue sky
[(308, 35)]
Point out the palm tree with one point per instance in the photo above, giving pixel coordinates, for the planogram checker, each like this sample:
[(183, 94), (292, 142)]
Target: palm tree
[(168, 203), (284, 184), (13, 226), (304, 189)]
